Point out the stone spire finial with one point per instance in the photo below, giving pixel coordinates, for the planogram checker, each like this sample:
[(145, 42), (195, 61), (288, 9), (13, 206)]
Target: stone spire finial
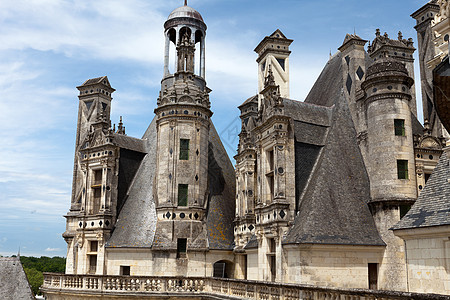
[(120, 127), (377, 32), (426, 127), (400, 36), (270, 79)]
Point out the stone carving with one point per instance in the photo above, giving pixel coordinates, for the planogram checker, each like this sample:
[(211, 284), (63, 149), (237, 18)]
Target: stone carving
[(443, 12)]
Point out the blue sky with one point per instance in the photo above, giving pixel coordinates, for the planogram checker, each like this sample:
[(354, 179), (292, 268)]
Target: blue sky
[(48, 47)]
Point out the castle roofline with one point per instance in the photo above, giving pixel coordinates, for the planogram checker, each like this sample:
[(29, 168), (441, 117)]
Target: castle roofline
[(276, 37), (99, 80), (351, 39), (430, 5)]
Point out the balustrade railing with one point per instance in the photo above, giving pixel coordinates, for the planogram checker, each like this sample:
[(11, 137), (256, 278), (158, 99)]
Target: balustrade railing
[(226, 288)]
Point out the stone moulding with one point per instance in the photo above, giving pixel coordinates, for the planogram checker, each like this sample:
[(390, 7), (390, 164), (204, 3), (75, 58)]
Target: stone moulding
[(58, 286)]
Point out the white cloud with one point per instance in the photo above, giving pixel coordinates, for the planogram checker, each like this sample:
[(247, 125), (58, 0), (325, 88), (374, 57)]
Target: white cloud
[(104, 29), (52, 249)]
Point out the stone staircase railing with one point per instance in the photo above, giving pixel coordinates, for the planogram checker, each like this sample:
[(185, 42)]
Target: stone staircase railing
[(219, 287)]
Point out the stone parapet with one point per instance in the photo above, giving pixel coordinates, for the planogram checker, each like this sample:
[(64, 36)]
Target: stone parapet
[(60, 286)]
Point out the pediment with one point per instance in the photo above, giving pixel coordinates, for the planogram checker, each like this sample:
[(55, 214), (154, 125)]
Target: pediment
[(430, 142), (278, 34)]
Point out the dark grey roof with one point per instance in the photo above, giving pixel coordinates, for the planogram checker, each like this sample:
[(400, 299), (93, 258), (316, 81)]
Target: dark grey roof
[(306, 156), (310, 133), (135, 226), (417, 128), (252, 244), (13, 281), (330, 80), (130, 143), (432, 207), (222, 183), (251, 99), (333, 209), (94, 81), (307, 112)]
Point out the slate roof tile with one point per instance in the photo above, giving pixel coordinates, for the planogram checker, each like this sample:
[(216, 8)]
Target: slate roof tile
[(432, 207)]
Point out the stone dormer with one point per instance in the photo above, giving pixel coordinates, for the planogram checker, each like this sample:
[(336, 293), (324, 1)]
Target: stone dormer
[(352, 40), (382, 46)]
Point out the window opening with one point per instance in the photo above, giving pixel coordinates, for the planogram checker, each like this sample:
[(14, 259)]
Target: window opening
[(399, 126), (182, 194), (184, 149), (181, 248), (402, 169)]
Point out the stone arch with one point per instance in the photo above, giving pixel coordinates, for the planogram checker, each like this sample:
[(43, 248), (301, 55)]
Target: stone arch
[(183, 32), (198, 36), (223, 269), (172, 34)]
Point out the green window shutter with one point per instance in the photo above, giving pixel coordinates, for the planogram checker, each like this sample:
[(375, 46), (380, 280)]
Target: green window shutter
[(182, 194), (402, 169), (184, 149), (399, 126)]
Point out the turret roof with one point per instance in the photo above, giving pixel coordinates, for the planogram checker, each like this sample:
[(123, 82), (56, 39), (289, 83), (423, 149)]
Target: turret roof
[(185, 12)]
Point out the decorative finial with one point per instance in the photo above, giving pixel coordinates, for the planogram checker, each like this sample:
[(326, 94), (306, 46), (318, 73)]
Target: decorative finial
[(400, 36), (270, 79), (120, 127), (185, 2), (377, 32)]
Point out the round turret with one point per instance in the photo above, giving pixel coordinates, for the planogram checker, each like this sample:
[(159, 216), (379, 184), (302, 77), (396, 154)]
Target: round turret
[(388, 93), (387, 78), (185, 30), (385, 67)]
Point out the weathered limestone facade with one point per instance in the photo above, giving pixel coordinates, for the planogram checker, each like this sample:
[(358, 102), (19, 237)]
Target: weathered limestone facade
[(162, 204), (321, 193), (433, 31), (283, 153)]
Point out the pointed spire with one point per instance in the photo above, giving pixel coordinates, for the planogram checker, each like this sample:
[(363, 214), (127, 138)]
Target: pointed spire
[(120, 127), (270, 79), (185, 2)]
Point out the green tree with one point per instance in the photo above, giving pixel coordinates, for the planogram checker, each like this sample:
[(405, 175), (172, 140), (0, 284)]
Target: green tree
[(35, 278), (34, 267)]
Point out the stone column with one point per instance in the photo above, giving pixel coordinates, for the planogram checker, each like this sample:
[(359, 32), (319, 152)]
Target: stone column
[(193, 41), (166, 55), (177, 30), (202, 57)]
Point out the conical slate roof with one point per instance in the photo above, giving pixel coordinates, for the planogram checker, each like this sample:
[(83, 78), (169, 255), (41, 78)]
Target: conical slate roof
[(13, 281), (432, 208)]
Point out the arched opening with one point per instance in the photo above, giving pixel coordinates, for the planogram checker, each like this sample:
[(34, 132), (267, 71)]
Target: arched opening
[(183, 32), (223, 269), (169, 65), (199, 51), (172, 34), (198, 36)]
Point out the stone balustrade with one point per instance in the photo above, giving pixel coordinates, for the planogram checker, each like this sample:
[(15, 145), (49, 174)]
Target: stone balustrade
[(210, 288)]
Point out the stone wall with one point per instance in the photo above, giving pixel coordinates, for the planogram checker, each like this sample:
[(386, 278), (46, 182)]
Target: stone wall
[(332, 266)]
